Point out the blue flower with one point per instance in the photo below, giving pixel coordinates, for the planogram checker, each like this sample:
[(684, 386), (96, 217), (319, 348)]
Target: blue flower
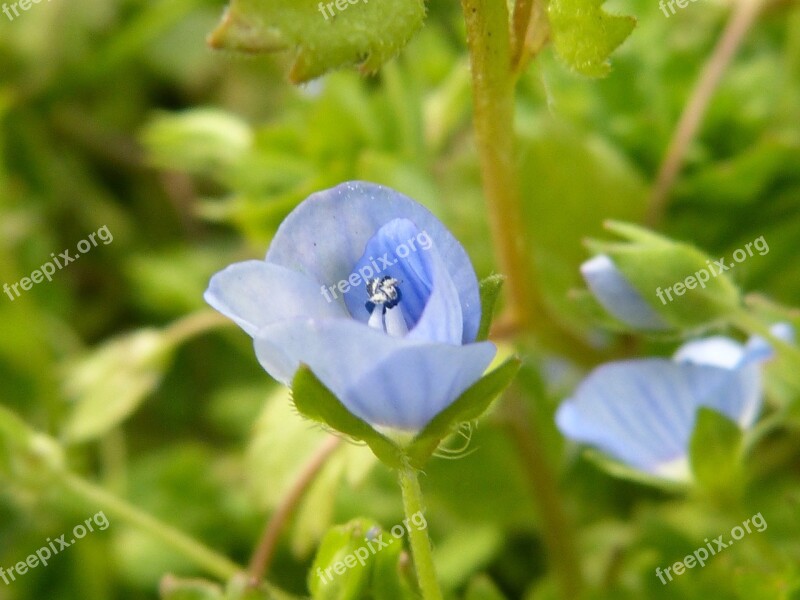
[(374, 294), (642, 412), (615, 293)]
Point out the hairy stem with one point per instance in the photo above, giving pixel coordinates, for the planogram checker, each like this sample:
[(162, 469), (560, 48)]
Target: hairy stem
[(262, 557), (212, 562), (742, 18), (493, 97), (420, 542)]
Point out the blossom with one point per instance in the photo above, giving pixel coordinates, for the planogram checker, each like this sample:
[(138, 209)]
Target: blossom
[(615, 293), (651, 282), (374, 294), (642, 412)]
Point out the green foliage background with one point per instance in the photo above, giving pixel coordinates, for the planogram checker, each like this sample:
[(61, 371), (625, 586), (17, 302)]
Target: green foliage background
[(115, 112)]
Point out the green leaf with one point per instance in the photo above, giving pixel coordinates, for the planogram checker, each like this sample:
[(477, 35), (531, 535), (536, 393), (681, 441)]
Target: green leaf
[(366, 34), (341, 569), (715, 449), (282, 443), (490, 292), (468, 406), (202, 141), (316, 402), (466, 550), (588, 180), (585, 35), (109, 384), (482, 588), (393, 575), (27, 457)]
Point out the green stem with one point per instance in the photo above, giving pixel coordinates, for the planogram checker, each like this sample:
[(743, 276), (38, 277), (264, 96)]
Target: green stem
[(558, 533), (262, 557), (195, 324), (493, 84), (215, 564), (743, 16), (493, 81), (420, 542)]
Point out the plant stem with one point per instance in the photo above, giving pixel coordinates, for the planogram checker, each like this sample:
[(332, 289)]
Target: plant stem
[(194, 324), (493, 83), (742, 18), (420, 542), (214, 563), (262, 557), (557, 531)]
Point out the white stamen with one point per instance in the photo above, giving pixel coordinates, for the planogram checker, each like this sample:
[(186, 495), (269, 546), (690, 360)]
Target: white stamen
[(395, 322)]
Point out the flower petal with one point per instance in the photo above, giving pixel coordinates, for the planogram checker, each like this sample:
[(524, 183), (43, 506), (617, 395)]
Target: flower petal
[(255, 293), (325, 236), (618, 296), (386, 381), (430, 302), (743, 403), (716, 351), (642, 412)]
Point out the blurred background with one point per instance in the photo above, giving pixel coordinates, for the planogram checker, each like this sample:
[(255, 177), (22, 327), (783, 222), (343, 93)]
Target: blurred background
[(116, 113)]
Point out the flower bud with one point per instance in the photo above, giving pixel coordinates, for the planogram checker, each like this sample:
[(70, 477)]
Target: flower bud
[(652, 282)]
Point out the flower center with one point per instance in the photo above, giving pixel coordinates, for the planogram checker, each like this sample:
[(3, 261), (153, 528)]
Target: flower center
[(384, 291), (384, 297)]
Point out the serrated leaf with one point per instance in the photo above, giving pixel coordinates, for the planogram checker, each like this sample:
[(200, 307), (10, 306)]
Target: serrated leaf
[(585, 35), (363, 33), (715, 449), (490, 291), (316, 402), (468, 406)]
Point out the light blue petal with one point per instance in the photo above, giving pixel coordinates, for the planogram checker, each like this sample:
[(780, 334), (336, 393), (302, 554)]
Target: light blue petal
[(642, 412), (741, 402), (386, 381), (759, 349), (618, 296), (326, 235), (381, 259), (716, 351), (255, 294), (429, 303), (441, 321)]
